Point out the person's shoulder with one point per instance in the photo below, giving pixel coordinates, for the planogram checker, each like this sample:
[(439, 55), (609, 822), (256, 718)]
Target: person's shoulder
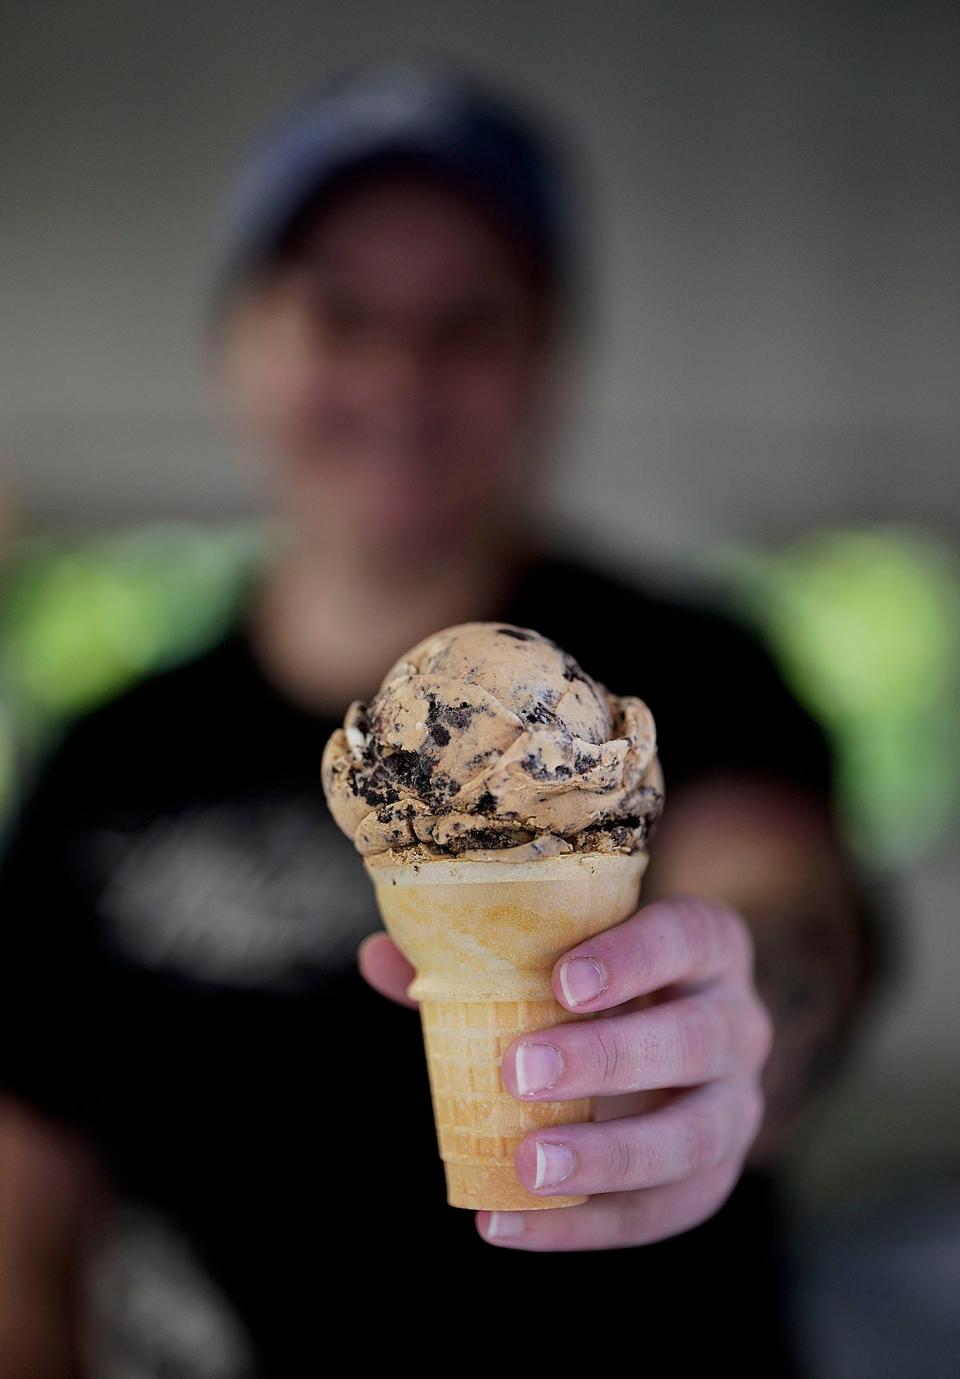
[(662, 612), (185, 685), (713, 679), (137, 718)]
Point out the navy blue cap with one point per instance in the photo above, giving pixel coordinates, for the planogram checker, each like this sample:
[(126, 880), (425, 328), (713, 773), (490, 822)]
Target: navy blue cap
[(425, 114)]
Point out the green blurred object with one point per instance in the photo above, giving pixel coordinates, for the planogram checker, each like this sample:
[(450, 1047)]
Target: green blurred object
[(866, 626), (82, 619), (6, 757)]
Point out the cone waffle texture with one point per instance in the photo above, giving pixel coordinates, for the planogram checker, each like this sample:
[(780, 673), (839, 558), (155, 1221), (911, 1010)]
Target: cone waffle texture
[(484, 937)]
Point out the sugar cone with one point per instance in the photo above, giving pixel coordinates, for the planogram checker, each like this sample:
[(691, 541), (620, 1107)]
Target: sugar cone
[(484, 937)]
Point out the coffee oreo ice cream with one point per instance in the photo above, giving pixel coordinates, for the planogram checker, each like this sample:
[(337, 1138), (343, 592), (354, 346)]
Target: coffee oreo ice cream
[(488, 740)]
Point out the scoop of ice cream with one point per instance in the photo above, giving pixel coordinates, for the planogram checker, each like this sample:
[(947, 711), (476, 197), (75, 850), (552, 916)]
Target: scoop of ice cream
[(487, 738)]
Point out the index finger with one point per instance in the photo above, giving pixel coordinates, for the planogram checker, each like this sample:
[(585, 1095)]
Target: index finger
[(685, 939)]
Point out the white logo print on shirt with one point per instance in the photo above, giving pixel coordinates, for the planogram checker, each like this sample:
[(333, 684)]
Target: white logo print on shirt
[(252, 895)]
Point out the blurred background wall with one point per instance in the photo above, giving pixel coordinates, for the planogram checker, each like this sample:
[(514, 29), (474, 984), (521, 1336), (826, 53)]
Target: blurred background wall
[(771, 396), (774, 202)]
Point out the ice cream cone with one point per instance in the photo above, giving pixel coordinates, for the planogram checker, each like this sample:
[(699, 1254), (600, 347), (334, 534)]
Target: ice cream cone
[(484, 937)]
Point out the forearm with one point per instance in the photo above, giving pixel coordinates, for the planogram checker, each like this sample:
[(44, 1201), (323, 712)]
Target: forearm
[(810, 973), (35, 1339), (49, 1196), (773, 855)]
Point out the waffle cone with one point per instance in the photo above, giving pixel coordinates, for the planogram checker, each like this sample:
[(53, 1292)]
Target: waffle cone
[(484, 937)]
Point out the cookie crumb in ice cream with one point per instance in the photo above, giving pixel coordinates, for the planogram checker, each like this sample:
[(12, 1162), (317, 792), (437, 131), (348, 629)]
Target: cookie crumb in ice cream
[(487, 740)]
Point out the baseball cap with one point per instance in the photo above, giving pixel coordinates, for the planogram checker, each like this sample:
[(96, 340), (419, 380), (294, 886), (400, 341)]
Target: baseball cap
[(428, 115)]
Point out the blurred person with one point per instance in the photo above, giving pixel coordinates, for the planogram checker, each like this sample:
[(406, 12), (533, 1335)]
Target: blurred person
[(205, 1027)]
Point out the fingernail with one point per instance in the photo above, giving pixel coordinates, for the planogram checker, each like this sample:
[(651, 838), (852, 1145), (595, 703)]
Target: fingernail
[(537, 1066), (554, 1163), (503, 1224), (581, 979)]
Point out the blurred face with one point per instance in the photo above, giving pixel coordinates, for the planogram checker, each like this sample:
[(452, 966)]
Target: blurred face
[(393, 372)]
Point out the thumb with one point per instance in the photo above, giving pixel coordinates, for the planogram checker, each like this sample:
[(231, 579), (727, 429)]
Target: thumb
[(386, 969)]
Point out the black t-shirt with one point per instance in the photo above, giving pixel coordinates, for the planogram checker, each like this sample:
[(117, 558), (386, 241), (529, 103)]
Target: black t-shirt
[(180, 919)]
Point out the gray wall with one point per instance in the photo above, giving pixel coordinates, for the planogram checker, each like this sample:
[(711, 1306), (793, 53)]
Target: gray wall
[(775, 204)]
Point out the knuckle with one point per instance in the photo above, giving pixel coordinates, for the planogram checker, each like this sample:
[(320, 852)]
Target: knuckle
[(761, 1035), (720, 1184), (758, 1108), (631, 1165), (606, 1054), (751, 1118), (620, 1160), (737, 938), (696, 918), (755, 1035), (640, 964), (697, 1040), (727, 1176), (715, 934), (704, 1140), (714, 1189)]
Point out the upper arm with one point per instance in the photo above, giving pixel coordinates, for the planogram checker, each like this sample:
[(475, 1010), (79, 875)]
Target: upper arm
[(52, 1186), (758, 842), (751, 819), (50, 1190), (770, 850), (51, 1195), (752, 814)]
